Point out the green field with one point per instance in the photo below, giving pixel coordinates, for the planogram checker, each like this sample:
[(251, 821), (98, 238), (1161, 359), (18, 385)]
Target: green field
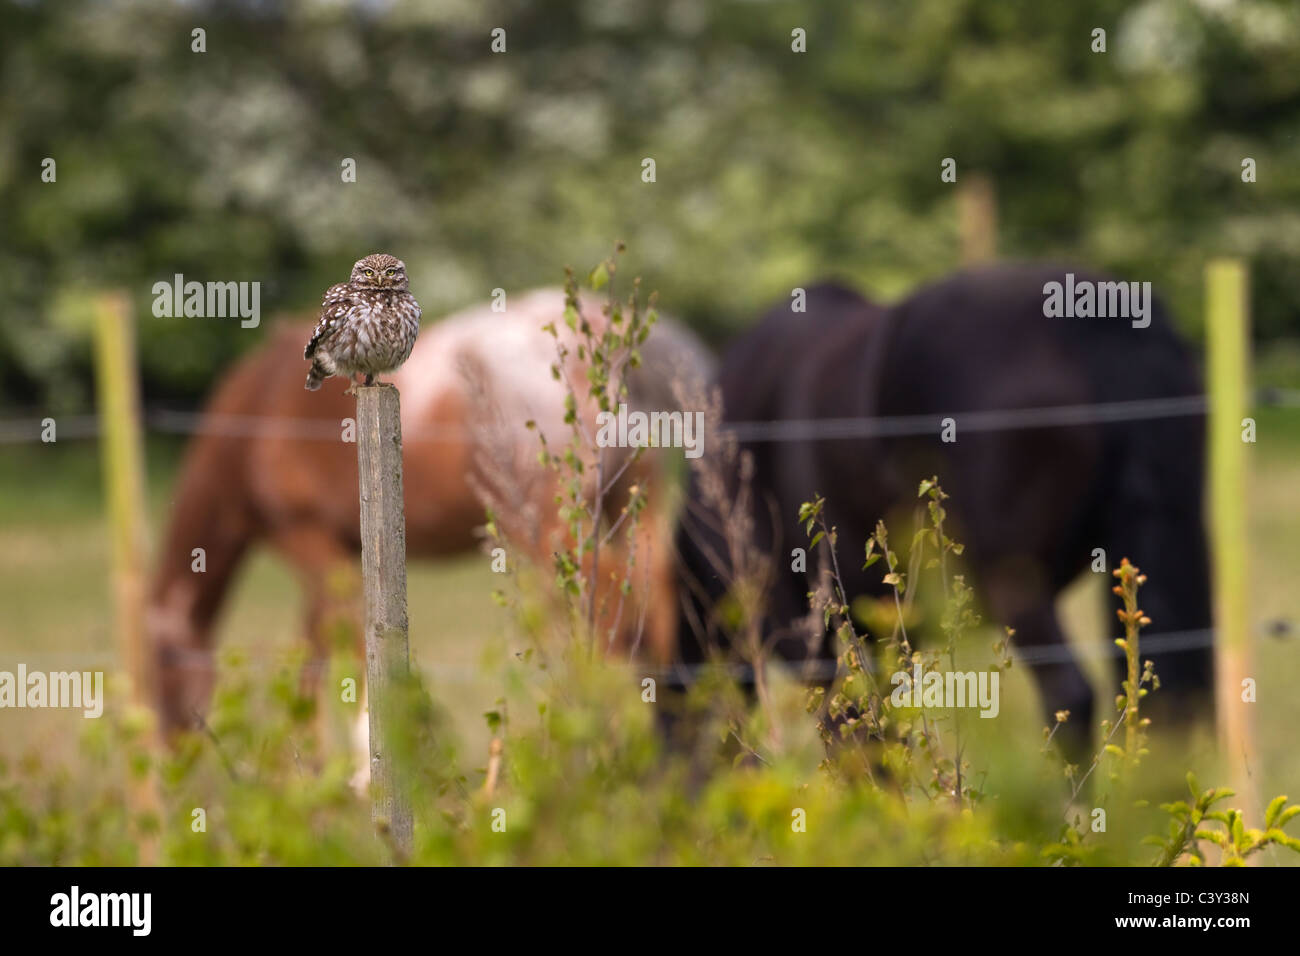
[(54, 612)]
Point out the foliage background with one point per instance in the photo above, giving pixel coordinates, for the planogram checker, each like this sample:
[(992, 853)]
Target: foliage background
[(491, 170)]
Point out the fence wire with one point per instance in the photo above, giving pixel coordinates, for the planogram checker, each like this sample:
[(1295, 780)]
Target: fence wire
[(176, 422), (818, 669)]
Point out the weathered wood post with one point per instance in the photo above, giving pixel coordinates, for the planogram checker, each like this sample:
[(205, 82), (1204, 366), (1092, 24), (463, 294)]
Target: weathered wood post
[(383, 566), (121, 446), (977, 219), (1228, 343)]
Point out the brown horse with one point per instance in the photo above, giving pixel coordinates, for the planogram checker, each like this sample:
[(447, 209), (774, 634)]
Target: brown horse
[(273, 464)]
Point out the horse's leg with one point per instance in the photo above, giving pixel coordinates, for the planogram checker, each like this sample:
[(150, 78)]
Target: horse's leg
[(326, 570), (1019, 604), (327, 573), (1155, 521)]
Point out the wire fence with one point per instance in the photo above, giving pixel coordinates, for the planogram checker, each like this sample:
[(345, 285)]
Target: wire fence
[(285, 654), (176, 422)]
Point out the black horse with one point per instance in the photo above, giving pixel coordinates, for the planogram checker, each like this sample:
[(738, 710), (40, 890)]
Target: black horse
[(1032, 493)]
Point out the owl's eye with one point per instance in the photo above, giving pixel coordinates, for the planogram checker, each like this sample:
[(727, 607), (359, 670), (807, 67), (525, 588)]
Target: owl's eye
[(370, 272), (392, 272)]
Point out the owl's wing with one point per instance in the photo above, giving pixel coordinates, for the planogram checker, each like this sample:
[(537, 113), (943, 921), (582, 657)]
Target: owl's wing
[(333, 310)]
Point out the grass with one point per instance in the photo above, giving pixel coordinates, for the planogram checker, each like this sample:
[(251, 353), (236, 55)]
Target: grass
[(54, 613)]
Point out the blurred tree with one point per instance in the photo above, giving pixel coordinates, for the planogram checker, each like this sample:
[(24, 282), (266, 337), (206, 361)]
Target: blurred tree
[(484, 170)]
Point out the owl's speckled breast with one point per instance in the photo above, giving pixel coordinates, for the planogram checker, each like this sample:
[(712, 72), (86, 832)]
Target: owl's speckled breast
[(379, 334)]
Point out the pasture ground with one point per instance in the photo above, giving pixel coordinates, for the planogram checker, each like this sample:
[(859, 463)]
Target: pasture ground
[(54, 614)]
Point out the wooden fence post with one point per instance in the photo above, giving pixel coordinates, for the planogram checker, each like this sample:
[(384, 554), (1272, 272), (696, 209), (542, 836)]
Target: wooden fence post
[(383, 566), (1227, 342), (977, 219), (121, 447), (122, 450)]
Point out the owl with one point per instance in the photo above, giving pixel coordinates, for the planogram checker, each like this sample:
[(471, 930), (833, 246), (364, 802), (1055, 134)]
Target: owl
[(367, 325)]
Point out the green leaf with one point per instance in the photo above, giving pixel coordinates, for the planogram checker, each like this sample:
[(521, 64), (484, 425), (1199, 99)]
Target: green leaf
[(1214, 836), (1286, 815), (1290, 842), (599, 277), (1274, 808)]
